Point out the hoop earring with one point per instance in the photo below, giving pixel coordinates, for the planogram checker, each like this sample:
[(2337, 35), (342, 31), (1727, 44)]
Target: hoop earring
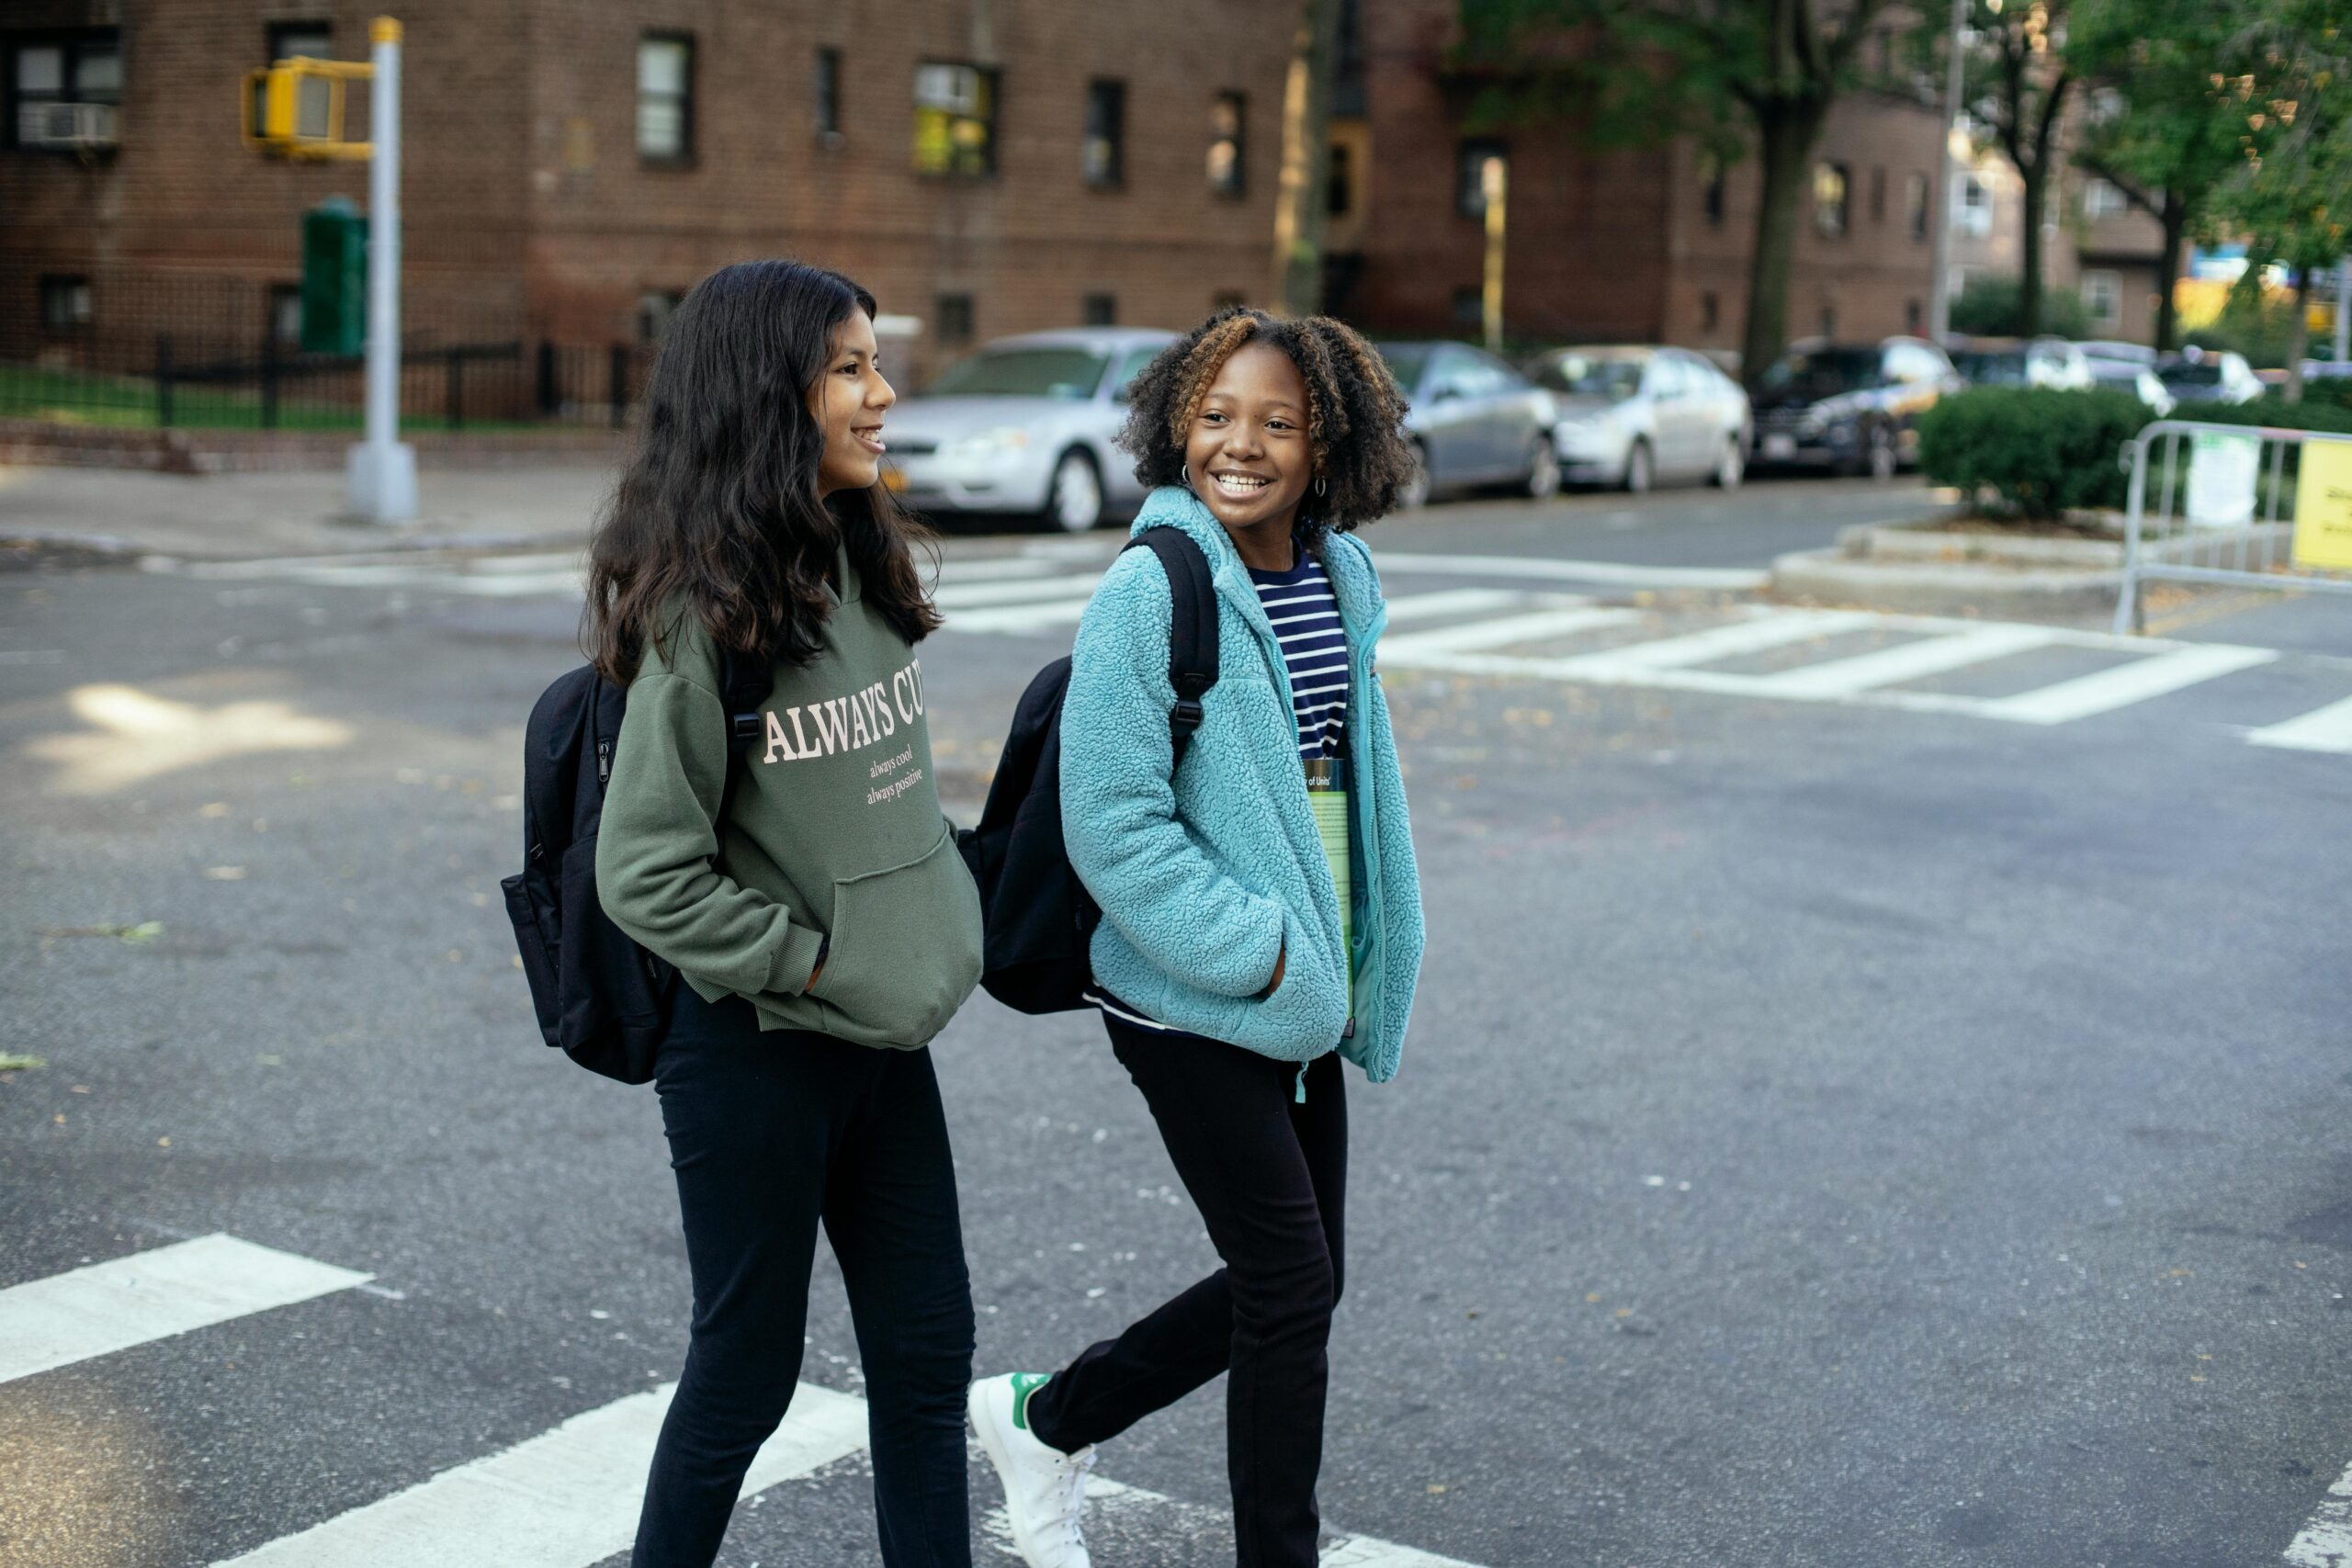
[(1322, 486), (1188, 479)]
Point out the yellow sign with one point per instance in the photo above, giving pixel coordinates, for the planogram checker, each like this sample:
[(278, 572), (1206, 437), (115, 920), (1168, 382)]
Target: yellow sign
[(2323, 506)]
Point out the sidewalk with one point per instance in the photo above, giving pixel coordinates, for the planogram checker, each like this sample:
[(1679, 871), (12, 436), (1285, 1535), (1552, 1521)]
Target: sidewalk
[(247, 516)]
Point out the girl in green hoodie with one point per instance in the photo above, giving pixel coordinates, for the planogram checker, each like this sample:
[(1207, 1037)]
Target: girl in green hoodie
[(822, 924)]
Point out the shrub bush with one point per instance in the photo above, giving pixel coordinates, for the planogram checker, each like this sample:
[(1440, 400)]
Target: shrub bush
[(1992, 305), (2329, 418), (2035, 450)]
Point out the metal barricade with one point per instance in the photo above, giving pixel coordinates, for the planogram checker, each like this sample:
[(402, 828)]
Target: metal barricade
[(2248, 506)]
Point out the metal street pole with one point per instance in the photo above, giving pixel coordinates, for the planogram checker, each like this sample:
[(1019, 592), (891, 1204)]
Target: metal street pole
[(382, 472), (1494, 184), (1939, 304), (2344, 310)]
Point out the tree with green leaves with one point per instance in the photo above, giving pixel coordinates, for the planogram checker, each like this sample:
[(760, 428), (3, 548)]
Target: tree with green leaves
[(2019, 80), (1738, 76), (1300, 200), (2292, 195), (2166, 119)]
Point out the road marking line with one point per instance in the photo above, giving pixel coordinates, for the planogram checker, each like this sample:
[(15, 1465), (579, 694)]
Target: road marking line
[(1458, 602), (1909, 661), (1344, 1552), (1571, 571), (151, 1295), (958, 595), (2326, 1541), (564, 1499), (1019, 619), (982, 568), (1771, 629), (1535, 627), (2124, 685), (2322, 730)]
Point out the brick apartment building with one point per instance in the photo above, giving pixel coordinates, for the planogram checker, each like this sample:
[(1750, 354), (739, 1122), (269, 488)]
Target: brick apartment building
[(1609, 246), (2094, 241), (572, 166)]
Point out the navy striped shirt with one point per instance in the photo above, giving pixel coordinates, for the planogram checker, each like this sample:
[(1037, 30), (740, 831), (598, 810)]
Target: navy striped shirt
[(1305, 616)]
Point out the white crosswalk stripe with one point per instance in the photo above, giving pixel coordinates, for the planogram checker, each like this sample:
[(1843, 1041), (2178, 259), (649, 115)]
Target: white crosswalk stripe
[(126, 1301), (1519, 632), (566, 1498)]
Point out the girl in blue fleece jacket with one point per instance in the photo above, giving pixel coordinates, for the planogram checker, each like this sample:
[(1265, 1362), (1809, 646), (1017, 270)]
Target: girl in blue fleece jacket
[(1262, 910)]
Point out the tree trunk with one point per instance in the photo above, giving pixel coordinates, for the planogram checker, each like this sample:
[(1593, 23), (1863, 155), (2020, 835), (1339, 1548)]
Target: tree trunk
[(1785, 135), (2175, 219), (2036, 180), (1299, 198), (2299, 335)]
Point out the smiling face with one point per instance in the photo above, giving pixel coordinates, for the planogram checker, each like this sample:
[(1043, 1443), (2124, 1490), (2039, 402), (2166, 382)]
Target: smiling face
[(1249, 449), (849, 402)]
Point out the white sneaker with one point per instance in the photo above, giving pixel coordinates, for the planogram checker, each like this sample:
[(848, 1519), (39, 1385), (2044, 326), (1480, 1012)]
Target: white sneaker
[(1044, 1489)]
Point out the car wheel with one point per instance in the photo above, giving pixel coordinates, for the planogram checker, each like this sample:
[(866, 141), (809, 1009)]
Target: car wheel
[(1732, 466), (1640, 474), (1880, 457), (1543, 470), (1415, 491), (1074, 501)]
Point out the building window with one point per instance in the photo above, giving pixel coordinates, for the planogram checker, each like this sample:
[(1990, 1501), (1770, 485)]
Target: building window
[(828, 93), (66, 304), (1974, 208), (665, 98), (2102, 198), (299, 40), (285, 306), (1912, 317), (1226, 299), (1829, 185), (1711, 174), (2103, 295), (1709, 310), (1339, 183), (654, 309), (1829, 321), (1103, 154), (1470, 175), (1100, 310), (1914, 205), (1229, 171), (1878, 194), (954, 119), (84, 69), (952, 315), (1469, 307)]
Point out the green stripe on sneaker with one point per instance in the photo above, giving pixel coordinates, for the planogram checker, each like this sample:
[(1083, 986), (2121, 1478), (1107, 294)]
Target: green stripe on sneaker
[(1024, 1386)]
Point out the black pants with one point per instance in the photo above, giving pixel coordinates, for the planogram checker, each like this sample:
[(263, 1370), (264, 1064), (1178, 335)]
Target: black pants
[(1269, 1177), (769, 1134)]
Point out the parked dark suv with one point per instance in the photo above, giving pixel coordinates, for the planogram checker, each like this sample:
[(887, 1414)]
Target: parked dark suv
[(1849, 407)]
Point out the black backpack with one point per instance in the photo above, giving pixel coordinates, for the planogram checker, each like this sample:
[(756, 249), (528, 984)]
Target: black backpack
[(598, 994), (1036, 916)]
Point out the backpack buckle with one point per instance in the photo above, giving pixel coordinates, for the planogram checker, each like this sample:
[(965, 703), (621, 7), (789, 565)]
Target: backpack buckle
[(1186, 715), (744, 728)]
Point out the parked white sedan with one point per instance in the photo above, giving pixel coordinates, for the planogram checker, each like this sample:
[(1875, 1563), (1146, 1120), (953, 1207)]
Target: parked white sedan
[(1026, 426), (1635, 416)]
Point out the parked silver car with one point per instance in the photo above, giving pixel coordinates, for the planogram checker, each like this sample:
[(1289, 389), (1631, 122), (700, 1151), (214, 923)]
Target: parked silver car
[(1025, 425), (2209, 375), (1475, 421), (2051, 362), (1636, 416)]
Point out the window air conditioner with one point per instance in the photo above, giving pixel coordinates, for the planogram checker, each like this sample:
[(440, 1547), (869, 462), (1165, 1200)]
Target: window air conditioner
[(66, 125)]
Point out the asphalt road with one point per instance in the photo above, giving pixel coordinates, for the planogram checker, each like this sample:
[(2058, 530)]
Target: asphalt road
[(1830, 1134)]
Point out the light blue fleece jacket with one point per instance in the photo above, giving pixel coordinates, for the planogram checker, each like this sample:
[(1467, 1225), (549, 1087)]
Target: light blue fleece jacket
[(1203, 878)]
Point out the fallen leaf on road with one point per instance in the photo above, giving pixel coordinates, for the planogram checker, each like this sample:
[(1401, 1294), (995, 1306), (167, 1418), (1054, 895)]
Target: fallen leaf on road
[(225, 873), (145, 930), (17, 1062)]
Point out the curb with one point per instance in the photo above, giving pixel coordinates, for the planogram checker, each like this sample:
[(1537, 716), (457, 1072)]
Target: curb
[(1830, 577)]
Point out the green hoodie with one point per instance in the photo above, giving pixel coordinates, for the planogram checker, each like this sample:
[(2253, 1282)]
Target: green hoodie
[(833, 836)]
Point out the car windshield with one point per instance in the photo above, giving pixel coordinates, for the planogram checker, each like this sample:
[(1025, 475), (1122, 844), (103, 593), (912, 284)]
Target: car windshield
[(2184, 374), (1071, 373), (1823, 373), (2110, 372), (1993, 368), (1591, 375), (1406, 361)]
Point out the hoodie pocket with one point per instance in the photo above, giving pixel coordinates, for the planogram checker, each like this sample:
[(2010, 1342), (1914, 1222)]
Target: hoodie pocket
[(904, 947)]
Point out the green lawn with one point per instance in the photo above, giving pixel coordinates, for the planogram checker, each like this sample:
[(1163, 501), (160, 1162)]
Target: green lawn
[(128, 402)]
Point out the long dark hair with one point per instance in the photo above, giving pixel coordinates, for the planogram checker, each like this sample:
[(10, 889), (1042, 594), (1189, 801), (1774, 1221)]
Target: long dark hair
[(718, 512)]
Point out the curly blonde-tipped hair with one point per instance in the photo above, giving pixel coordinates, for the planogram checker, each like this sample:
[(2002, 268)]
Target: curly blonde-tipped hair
[(1354, 411)]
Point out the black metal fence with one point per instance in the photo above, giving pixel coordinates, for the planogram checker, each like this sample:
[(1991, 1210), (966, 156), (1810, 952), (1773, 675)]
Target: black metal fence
[(214, 353)]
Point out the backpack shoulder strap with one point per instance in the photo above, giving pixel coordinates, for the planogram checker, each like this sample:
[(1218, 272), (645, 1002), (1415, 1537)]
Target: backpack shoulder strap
[(1192, 637), (744, 681)]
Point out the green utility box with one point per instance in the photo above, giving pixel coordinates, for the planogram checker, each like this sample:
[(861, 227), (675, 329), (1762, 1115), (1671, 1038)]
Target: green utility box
[(335, 278)]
